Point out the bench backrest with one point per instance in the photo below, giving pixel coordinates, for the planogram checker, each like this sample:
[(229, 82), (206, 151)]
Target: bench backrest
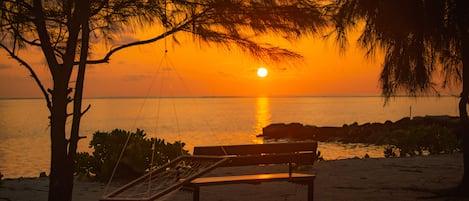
[(255, 154)]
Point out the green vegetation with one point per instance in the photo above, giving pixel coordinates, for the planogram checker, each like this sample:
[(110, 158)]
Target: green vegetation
[(137, 156), (421, 140)]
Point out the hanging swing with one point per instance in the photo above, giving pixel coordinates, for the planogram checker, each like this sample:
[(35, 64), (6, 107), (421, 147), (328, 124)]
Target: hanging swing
[(165, 179), (161, 181)]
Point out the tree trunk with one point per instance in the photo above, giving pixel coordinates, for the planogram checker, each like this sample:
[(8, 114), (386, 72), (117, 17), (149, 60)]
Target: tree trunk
[(61, 171), (80, 80), (63, 150), (464, 120)]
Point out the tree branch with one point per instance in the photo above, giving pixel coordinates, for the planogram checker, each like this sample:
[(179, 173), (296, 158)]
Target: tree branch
[(175, 29), (23, 39), (107, 57), (44, 36), (86, 110), (33, 74)]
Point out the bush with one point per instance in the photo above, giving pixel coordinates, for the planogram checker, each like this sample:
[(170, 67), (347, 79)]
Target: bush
[(420, 140), (135, 161), (84, 164), (390, 151)]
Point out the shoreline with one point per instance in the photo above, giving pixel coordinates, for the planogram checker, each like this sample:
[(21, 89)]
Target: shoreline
[(347, 179)]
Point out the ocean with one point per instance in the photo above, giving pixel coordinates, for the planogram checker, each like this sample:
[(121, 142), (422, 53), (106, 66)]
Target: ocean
[(197, 121)]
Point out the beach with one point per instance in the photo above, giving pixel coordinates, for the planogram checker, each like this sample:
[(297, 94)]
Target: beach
[(413, 178)]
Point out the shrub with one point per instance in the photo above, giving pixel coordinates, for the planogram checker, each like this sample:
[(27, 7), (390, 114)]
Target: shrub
[(390, 151), (135, 160), (420, 140), (84, 164)]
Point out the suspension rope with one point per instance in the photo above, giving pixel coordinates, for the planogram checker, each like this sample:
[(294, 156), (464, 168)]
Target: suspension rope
[(165, 20), (152, 161), (134, 123), (184, 168)]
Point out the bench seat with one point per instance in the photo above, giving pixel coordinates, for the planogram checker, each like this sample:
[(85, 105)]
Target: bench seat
[(300, 178)]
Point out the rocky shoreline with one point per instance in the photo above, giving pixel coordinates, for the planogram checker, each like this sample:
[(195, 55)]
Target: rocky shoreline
[(370, 133)]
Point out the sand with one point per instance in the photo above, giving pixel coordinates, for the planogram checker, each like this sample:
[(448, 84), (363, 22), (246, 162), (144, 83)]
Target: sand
[(350, 179)]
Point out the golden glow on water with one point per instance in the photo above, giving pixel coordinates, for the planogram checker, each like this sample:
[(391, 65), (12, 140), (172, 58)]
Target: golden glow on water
[(263, 116), (25, 147)]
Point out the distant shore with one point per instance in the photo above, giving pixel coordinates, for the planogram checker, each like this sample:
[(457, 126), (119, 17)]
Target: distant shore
[(392, 179)]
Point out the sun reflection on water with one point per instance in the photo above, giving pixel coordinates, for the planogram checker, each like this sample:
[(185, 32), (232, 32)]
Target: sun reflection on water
[(263, 116)]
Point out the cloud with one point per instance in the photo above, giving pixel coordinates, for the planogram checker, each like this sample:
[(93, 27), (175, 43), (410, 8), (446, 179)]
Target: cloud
[(127, 39), (225, 74), (4, 66), (167, 69), (116, 39), (135, 77), (282, 69)]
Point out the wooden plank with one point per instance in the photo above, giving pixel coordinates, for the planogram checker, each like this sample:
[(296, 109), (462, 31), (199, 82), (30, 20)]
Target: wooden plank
[(306, 179), (295, 177), (114, 196), (187, 180), (140, 179), (253, 149), (300, 158), (255, 154)]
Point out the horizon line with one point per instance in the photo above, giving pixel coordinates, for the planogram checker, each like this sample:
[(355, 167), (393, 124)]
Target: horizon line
[(249, 96)]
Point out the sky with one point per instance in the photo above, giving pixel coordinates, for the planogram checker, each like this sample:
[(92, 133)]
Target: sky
[(190, 69)]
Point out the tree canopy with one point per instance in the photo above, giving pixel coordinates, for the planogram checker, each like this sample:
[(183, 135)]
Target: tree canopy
[(424, 41), (421, 40)]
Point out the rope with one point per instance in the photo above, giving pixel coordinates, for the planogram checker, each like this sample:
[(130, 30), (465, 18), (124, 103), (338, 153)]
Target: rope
[(167, 61), (157, 70), (164, 178), (117, 164), (153, 147), (223, 149), (158, 181), (157, 121)]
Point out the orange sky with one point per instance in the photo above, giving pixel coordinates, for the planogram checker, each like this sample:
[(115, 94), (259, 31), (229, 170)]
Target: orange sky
[(191, 70)]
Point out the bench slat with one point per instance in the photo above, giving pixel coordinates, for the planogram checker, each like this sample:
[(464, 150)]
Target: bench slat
[(207, 181), (253, 149), (306, 179), (299, 158)]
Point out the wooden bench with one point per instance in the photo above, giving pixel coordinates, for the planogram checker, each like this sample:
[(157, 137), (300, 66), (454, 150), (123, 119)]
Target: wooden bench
[(303, 153)]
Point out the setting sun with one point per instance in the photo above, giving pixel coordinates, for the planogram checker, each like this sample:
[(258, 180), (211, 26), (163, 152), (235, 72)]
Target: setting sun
[(262, 72)]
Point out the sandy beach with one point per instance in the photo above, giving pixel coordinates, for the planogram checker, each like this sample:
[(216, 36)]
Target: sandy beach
[(350, 179)]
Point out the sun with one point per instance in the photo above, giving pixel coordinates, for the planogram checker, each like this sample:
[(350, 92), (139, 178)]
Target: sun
[(262, 72)]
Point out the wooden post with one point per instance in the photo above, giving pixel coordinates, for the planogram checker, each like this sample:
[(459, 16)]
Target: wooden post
[(196, 193), (311, 190)]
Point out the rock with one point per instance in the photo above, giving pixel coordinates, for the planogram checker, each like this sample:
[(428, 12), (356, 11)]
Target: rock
[(294, 130), (371, 133)]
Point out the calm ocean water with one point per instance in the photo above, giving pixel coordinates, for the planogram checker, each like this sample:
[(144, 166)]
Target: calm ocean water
[(24, 126)]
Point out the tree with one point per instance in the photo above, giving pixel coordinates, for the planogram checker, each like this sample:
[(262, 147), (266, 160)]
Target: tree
[(66, 30), (419, 38)]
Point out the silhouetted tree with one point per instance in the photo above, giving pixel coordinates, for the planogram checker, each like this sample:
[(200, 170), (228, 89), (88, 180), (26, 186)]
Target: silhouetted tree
[(62, 30), (419, 38)]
